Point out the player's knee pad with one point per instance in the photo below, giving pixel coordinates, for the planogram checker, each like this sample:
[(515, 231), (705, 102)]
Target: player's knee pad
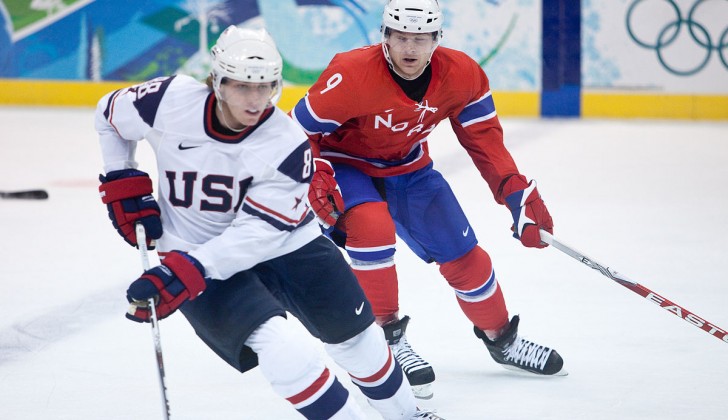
[(370, 234), (369, 362), (288, 371), (296, 372), (362, 355), (375, 371), (471, 276)]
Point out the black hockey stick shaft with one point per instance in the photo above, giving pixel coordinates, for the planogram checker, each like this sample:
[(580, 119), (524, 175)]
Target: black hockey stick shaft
[(156, 336), (25, 195), (664, 303)]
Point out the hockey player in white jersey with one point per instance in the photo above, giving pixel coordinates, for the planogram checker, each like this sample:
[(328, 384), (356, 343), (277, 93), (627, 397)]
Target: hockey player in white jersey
[(238, 242)]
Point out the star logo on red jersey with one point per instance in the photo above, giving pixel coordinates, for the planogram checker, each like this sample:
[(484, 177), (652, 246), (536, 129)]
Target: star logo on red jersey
[(423, 108)]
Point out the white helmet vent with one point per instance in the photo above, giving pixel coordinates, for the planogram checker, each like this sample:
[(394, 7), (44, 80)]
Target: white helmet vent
[(414, 16), (414, 22), (246, 55)]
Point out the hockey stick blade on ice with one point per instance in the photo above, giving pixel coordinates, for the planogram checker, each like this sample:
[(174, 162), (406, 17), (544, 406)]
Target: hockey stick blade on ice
[(25, 195), (668, 305), (156, 337)]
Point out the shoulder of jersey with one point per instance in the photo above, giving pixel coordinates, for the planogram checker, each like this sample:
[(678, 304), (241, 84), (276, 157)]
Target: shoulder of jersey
[(280, 132), (188, 80), (367, 49), (186, 84), (182, 102), (359, 57), (351, 63), (276, 140), (451, 55)]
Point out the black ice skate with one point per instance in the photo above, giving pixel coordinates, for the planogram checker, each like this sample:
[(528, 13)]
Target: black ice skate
[(427, 415), (419, 373), (516, 353)]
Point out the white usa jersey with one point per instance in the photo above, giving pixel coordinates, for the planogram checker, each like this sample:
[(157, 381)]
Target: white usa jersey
[(231, 201)]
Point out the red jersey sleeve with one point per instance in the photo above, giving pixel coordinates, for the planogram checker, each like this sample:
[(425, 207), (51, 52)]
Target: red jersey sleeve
[(479, 131)]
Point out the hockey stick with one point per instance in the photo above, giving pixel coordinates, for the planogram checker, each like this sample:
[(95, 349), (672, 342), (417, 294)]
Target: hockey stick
[(143, 252), (27, 195), (641, 290)]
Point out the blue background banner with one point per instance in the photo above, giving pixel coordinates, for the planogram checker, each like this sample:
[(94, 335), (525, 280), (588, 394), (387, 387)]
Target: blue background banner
[(137, 39), (543, 57)]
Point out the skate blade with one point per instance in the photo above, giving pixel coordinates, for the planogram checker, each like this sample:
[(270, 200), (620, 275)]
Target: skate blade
[(562, 372), (422, 392)]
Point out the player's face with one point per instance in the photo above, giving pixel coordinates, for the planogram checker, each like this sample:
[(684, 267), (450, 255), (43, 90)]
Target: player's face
[(410, 52), (246, 101)]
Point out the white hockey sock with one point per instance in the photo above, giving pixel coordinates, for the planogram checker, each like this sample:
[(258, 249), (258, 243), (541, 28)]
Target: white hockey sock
[(375, 371), (296, 371)]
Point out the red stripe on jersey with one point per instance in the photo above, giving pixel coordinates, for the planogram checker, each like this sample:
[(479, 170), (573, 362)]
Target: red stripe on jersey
[(111, 112), (276, 214), (315, 387), (380, 373)]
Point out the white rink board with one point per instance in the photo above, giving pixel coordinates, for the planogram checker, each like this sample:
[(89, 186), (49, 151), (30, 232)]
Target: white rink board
[(637, 45)]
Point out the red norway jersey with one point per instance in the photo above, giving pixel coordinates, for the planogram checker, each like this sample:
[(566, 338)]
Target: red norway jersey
[(357, 114)]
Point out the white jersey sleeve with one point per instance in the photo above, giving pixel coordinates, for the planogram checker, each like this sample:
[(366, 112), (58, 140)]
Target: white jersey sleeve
[(124, 117)]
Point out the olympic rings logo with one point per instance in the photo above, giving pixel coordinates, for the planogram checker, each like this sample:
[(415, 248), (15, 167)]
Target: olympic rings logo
[(670, 32)]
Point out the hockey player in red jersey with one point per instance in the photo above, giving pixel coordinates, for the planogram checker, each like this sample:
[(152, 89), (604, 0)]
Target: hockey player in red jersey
[(368, 117), (240, 246)]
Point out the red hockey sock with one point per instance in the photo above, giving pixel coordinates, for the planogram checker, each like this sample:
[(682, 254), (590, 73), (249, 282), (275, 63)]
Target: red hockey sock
[(370, 243), (477, 290), (380, 287)]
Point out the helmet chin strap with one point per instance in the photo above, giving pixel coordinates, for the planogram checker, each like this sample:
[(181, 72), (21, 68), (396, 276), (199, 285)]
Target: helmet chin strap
[(216, 82), (224, 120)]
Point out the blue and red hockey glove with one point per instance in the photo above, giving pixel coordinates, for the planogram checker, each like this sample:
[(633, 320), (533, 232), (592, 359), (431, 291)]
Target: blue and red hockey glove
[(528, 210), (324, 194), (178, 279), (127, 194)]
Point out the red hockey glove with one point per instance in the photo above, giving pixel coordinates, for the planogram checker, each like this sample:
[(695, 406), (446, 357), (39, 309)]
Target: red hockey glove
[(180, 278), (128, 197), (529, 211), (324, 193)]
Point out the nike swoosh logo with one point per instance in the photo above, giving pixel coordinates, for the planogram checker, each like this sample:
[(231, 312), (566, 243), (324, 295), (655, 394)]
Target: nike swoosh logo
[(359, 309), (180, 147), (465, 232)]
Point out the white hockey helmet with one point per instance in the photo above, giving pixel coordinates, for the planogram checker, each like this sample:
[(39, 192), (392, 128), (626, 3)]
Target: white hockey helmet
[(414, 16), (247, 55)]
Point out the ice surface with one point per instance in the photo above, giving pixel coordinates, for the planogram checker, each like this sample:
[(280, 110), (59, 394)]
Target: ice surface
[(648, 198)]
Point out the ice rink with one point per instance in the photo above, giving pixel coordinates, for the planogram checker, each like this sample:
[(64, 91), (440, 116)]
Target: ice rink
[(649, 198)]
